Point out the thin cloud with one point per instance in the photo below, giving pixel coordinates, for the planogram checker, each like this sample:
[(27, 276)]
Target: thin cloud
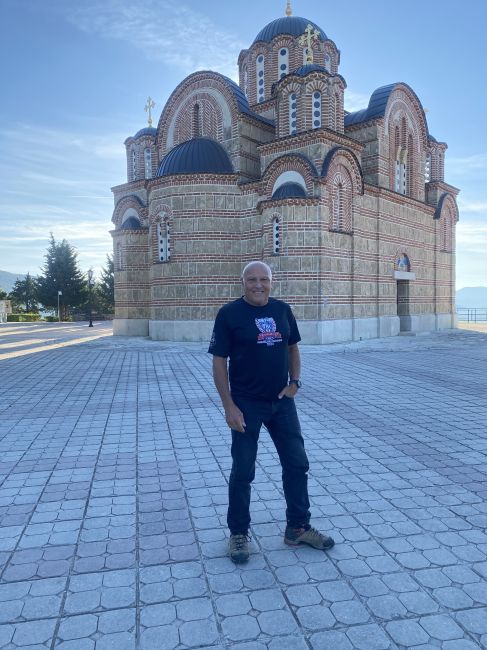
[(163, 31), (355, 101)]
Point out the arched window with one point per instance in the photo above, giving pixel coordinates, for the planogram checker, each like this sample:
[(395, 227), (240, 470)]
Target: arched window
[(196, 121), (163, 241), (259, 78), (316, 110), (427, 168), (246, 82), (134, 165), (337, 111), (293, 103), (410, 167), (276, 236), (148, 162), (341, 199), (327, 62), (283, 63)]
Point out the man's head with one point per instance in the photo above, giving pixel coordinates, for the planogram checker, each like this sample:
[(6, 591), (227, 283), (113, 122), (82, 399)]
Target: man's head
[(257, 282)]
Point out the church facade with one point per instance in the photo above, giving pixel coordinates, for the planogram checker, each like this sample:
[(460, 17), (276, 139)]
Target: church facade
[(350, 210)]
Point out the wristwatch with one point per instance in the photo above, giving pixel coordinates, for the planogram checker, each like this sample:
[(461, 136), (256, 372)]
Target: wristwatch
[(295, 381)]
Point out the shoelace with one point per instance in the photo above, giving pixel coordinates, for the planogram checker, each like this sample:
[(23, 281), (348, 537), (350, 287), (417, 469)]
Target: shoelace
[(240, 541)]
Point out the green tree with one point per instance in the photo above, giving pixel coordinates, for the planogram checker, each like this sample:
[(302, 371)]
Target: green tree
[(61, 273), (104, 291), (23, 295), (3, 294)]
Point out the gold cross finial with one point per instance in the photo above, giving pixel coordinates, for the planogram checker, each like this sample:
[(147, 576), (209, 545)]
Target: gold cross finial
[(289, 11), (147, 108), (306, 40)]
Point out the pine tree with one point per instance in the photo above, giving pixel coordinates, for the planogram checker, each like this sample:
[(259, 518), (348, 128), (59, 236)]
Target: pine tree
[(61, 273), (105, 288), (23, 295)]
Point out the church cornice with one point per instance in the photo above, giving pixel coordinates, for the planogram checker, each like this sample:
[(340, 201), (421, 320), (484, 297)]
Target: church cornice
[(269, 203), (398, 198), (444, 187), (288, 143)]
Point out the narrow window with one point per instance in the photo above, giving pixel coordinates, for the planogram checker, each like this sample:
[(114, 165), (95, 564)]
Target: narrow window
[(305, 55), (276, 236), (283, 63), (119, 257), (148, 162), (316, 110), (427, 168), (259, 78), (196, 121), (163, 241), (246, 82), (327, 62), (134, 165), (292, 113)]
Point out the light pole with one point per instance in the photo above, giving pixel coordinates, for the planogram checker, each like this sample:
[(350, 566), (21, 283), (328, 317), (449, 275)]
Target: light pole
[(90, 284), (59, 293)]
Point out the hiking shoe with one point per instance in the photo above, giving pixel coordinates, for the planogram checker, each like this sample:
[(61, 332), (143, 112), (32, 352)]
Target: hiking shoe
[(309, 536), (238, 548)]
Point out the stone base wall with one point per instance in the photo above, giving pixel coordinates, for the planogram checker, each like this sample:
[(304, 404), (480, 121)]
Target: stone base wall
[(130, 327)]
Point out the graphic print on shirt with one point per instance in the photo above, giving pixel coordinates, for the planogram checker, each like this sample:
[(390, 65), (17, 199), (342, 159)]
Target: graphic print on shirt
[(268, 333)]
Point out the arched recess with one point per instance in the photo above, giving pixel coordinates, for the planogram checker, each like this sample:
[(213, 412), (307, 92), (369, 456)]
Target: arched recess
[(218, 91), (130, 206), (447, 214), (344, 179), (294, 168), (407, 132), (290, 114), (161, 221)]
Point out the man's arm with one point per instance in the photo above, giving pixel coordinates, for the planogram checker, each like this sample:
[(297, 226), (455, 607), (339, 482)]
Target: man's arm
[(294, 371), (233, 415)]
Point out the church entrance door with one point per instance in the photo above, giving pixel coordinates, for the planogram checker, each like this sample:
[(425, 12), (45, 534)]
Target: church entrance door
[(403, 306)]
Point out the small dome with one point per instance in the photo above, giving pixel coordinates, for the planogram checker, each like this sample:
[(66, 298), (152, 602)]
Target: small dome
[(132, 223), (197, 156), (289, 191), (292, 25), (309, 67), (149, 130)]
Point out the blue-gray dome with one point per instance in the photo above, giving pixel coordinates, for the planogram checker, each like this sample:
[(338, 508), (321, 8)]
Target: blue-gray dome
[(292, 25), (149, 130), (197, 156), (289, 191), (131, 223), (309, 67)]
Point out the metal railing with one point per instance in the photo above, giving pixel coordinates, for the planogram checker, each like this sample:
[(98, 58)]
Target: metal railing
[(472, 314)]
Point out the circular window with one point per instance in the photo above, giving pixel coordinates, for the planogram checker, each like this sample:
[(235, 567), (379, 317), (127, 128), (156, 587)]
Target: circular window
[(260, 58), (283, 66), (317, 123), (316, 104), (283, 52), (261, 82), (316, 95), (316, 113)]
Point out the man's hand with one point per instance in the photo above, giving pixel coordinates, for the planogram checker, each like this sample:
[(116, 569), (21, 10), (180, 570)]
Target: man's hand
[(235, 418), (288, 391)]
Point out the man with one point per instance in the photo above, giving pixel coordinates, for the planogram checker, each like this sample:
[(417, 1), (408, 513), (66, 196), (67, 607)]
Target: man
[(259, 336)]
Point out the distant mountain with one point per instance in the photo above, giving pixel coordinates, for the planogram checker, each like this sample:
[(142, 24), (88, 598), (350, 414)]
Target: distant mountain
[(472, 297), (7, 280)]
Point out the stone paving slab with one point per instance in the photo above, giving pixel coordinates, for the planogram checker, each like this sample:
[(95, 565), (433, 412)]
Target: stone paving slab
[(113, 477)]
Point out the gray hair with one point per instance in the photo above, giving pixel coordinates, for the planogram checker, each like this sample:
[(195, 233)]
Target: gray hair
[(255, 262)]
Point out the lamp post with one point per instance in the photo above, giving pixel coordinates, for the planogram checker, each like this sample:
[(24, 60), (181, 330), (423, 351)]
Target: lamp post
[(90, 284), (59, 293)]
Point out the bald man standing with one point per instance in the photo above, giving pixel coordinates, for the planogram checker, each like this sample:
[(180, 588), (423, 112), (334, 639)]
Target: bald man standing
[(258, 335)]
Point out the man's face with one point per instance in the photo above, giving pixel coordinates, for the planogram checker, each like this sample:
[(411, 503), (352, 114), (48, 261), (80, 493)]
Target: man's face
[(257, 285)]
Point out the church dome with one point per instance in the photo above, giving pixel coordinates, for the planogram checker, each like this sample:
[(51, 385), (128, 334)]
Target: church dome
[(289, 191), (197, 156), (292, 25), (303, 70), (149, 130)]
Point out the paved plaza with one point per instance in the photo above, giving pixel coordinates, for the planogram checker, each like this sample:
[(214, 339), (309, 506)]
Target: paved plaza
[(114, 458)]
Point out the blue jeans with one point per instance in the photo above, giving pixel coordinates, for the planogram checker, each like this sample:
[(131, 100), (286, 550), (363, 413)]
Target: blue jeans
[(281, 420)]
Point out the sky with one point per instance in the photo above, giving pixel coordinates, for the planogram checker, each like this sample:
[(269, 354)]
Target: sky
[(75, 77)]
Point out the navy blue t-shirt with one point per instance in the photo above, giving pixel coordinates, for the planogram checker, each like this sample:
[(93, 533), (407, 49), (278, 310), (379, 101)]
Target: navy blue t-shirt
[(256, 340)]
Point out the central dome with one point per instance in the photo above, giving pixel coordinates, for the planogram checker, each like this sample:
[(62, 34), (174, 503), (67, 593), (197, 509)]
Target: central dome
[(197, 156), (292, 25)]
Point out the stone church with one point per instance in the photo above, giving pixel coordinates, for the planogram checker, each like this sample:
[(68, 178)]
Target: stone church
[(350, 210)]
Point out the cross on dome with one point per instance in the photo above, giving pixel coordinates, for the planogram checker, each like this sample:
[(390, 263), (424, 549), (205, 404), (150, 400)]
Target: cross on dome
[(306, 40), (148, 107), (289, 11)]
